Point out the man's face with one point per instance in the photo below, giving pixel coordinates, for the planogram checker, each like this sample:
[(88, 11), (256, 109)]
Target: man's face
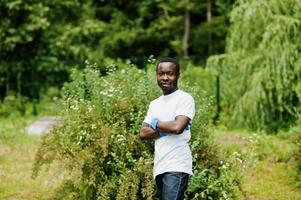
[(167, 77)]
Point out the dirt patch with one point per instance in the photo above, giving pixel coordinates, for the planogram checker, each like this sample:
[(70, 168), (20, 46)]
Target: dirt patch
[(43, 125), (234, 139)]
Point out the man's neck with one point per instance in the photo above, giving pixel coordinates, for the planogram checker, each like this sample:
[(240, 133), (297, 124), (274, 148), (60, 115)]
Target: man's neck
[(170, 91)]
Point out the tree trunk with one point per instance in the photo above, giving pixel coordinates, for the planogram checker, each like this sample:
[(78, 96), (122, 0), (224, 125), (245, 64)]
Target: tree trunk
[(6, 83), (186, 31), (209, 18)]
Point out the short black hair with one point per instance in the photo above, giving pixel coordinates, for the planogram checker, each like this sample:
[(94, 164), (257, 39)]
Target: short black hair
[(172, 60)]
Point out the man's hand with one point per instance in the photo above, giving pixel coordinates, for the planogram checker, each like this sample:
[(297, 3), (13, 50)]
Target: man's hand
[(153, 125), (146, 132)]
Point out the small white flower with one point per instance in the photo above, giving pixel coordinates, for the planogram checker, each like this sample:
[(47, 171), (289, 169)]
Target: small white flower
[(239, 160), (74, 107), (83, 133)]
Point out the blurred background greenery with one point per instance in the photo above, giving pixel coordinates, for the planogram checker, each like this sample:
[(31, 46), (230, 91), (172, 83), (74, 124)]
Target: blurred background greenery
[(241, 60), (41, 41)]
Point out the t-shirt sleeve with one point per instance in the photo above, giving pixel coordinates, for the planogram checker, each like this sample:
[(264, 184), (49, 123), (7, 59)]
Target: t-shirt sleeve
[(149, 116), (186, 107)]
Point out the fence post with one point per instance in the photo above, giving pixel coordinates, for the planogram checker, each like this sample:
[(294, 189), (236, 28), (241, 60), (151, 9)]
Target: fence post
[(217, 95), (33, 88)]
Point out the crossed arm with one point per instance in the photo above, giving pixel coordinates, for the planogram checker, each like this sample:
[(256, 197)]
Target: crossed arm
[(176, 126)]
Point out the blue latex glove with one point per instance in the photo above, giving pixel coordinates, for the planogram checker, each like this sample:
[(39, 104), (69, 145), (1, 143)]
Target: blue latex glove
[(162, 134), (188, 126), (154, 123)]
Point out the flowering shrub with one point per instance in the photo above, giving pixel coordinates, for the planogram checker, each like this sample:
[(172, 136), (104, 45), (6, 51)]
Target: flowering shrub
[(98, 141)]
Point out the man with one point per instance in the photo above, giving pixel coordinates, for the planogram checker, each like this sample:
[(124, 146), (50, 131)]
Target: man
[(168, 122)]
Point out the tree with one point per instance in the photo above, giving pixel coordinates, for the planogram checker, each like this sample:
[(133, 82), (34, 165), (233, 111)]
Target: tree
[(261, 69), (41, 41)]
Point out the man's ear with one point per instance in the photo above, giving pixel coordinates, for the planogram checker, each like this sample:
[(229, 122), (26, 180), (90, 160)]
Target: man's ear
[(178, 76)]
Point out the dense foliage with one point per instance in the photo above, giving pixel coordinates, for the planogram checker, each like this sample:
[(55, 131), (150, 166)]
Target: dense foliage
[(261, 70), (42, 40), (98, 144)]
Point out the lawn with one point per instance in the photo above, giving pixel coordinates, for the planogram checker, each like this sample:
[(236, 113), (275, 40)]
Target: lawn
[(17, 152), (269, 167)]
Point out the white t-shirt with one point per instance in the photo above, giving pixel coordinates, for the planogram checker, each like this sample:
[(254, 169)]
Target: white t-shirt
[(172, 152)]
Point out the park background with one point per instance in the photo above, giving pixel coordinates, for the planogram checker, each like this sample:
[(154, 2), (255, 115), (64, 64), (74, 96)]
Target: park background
[(91, 62)]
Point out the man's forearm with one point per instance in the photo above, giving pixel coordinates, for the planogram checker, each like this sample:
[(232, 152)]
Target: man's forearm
[(170, 127), (148, 133), (176, 126)]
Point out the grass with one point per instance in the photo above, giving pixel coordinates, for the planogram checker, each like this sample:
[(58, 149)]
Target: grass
[(17, 152), (271, 180), (270, 169)]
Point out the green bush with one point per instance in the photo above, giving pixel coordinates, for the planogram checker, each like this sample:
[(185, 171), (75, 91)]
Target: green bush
[(98, 141)]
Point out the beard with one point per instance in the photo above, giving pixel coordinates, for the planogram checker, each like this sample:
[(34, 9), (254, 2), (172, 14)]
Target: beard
[(168, 87)]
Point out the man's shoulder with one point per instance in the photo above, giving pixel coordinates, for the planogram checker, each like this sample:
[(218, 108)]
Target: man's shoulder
[(155, 100), (185, 94)]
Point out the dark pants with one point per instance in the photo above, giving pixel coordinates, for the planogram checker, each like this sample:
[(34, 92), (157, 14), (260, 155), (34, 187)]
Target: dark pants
[(172, 185)]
